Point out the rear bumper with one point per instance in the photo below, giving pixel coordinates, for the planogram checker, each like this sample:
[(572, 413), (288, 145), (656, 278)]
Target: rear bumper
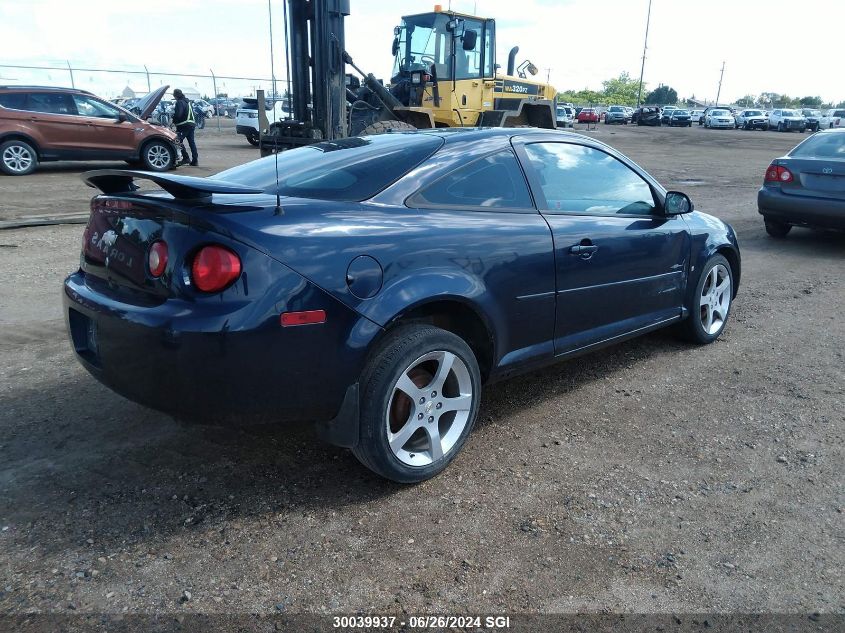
[(246, 130), (221, 362), (801, 210)]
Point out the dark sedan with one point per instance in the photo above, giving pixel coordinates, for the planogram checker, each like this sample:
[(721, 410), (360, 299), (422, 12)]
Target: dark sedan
[(390, 279), (649, 116), (680, 118), (807, 186)]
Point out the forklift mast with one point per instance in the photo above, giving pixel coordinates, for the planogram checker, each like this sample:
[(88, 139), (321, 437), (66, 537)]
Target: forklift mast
[(318, 74)]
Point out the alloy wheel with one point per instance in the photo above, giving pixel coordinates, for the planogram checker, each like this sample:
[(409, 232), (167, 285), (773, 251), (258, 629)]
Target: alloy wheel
[(158, 156), (18, 159), (429, 408), (715, 299)]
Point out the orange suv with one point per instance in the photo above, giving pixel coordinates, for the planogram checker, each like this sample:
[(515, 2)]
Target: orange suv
[(40, 124)]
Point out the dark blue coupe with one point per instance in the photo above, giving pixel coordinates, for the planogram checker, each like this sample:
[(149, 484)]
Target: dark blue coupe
[(374, 284)]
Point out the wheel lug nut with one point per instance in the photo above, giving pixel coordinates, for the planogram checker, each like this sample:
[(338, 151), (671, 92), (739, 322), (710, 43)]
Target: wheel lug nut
[(439, 404), (433, 394), (422, 400), (419, 416), (431, 418)]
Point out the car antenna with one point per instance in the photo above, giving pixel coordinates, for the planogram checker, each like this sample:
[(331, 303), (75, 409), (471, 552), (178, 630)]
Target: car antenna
[(279, 210)]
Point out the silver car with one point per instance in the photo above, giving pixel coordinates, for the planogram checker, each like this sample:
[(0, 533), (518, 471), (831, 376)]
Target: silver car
[(719, 119)]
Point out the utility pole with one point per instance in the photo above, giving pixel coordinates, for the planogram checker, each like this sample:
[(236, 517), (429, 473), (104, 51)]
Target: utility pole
[(548, 75), (645, 47), (719, 91)]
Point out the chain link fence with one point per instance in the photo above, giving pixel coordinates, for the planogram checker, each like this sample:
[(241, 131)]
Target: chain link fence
[(136, 81)]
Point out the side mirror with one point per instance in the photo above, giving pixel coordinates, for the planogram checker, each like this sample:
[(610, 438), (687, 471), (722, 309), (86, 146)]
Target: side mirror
[(470, 40), (121, 117), (395, 48), (677, 203)]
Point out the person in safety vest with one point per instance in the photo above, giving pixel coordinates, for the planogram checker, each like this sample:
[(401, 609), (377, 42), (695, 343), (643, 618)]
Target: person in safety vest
[(183, 118)]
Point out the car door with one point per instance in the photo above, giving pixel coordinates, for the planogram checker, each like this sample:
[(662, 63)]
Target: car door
[(54, 113), (620, 263), (481, 217), (109, 132)]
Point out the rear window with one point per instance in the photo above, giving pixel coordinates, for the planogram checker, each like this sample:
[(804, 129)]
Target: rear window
[(825, 145), (14, 100), (346, 170)]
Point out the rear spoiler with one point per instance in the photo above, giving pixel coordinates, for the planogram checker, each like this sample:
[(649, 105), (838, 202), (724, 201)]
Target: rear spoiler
[(111, 181)]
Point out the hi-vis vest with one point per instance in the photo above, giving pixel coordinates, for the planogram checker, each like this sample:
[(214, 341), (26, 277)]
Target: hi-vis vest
[(190, 120)]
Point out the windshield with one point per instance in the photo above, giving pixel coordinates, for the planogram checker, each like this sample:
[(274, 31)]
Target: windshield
[(791, 113), (718, 113), (825, 145), (350, 169), (811, 113), (680, 113), (425, 41), (753, 113), (615, 109)]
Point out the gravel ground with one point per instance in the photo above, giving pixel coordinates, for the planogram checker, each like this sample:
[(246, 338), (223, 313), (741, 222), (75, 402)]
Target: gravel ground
[(650, 477)]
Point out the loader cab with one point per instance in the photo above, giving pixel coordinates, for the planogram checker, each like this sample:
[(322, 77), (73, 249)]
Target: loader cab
[(440, 48)]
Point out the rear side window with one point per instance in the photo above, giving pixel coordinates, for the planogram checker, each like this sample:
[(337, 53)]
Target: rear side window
[(494, 181), (14, 100), (346, 170), (829, 145), (51, 103)]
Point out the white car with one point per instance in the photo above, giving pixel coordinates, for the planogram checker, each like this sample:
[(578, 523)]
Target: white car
[(832, 118), (246, 118), (784, 120), (205, 105), (565, 116), (695, 115), (719, 119), (751, 119)]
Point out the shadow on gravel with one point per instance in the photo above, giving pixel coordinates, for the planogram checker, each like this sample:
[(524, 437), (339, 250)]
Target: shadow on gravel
[(83, 463)]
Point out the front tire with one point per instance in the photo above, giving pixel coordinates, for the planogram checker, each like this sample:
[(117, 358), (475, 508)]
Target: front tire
[(253, 139), (158, 156), (777, 229), (421, 391), (711, 302), (18, 158)]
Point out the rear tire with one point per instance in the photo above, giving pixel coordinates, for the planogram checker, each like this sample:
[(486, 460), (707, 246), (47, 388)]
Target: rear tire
[(777, 229), (420, 395), (385, 127), (158, 156), (252, 139), (18, 158)]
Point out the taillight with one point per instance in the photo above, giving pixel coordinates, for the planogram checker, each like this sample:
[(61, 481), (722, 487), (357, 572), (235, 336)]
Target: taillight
[(777, 173), (157, 258), (215, 268)]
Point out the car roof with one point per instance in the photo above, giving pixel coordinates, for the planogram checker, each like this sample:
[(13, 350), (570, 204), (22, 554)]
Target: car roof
[(49, 88)]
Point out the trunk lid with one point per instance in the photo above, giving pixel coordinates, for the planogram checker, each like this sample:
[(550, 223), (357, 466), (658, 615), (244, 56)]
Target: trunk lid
[(124, 224), (818, 178)]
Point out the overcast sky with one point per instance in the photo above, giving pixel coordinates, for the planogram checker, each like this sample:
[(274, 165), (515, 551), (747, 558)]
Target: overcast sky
[(581, 41)]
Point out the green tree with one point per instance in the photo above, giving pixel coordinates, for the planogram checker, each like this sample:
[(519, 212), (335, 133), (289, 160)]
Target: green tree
[(747, 101), (810, 102), (663, 95), (621, 90)]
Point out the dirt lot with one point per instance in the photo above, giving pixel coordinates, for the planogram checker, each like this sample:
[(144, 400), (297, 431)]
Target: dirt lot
[(650, 477)]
